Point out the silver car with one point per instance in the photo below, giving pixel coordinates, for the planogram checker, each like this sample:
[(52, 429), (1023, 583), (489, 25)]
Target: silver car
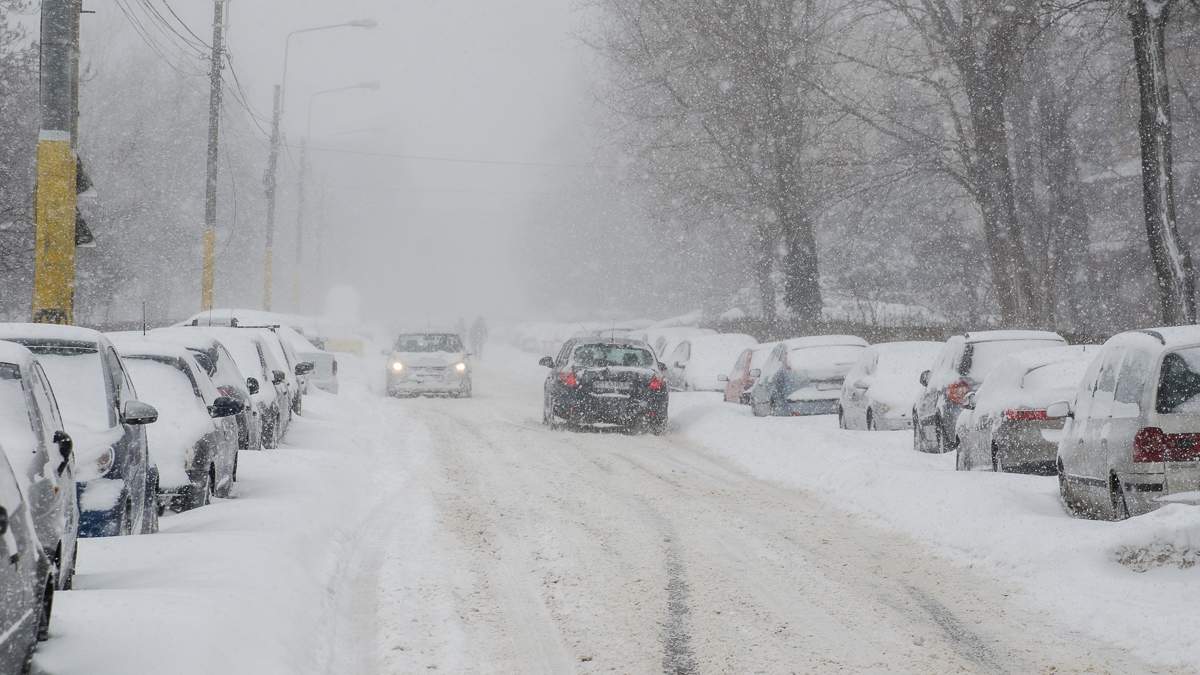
[(1005, 426), (1132, 436), (881, 388)]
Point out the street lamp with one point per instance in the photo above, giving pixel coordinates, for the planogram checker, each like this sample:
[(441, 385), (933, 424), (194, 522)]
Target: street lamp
[(301, 199), (270, 180)]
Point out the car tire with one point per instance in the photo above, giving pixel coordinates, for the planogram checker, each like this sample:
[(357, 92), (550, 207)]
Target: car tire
[(202, 496), (917, 433), (1120, 507), (236, 456), (67, 575), (270, 440), (1071, 503), (870, 420), (466, 390), (841, 418), (126, 526), (43, 629), (150, 518)]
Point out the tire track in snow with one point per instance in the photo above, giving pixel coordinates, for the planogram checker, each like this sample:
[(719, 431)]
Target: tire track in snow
[(678, 658)]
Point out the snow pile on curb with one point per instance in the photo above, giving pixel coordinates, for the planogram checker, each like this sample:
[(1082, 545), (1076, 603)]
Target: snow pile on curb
[(1169, 537)]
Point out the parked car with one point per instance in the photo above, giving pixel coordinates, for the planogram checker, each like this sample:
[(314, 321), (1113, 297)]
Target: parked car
[(1004, 426), (296, 370), (698, 362), (663, 340), (222, 369), (804, 376), (195, 442), (746, 370), (957, 371), (39, 450), (598, 381), (429, 363), (265, 380), (324, 374), (883, 385), (1130, 439), (117, 482), (26, 578)]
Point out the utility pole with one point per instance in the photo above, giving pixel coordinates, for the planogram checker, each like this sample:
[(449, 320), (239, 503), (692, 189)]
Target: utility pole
[(214, 136), (270, 182), (54, 255), (301, 205)]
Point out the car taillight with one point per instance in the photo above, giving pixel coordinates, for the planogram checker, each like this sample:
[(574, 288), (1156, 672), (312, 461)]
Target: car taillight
[(1018, 415), (1152, 444), (568, 378), (656, 383), (957, 392)]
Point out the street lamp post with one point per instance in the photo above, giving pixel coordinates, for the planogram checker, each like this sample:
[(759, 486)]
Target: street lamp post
[(270, 180), (301, 199)]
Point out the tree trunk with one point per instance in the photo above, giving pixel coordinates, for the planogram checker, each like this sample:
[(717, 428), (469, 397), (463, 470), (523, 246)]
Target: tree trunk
[(1070, 241), (764, 265), (1173, 272), (801, 274)]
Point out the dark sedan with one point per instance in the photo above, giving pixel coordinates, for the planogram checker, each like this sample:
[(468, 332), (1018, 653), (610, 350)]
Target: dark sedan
[(597, 382)]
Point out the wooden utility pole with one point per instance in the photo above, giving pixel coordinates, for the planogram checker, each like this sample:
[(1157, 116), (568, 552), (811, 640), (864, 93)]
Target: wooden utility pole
[(271, 182), (208, 274), (57, 165)]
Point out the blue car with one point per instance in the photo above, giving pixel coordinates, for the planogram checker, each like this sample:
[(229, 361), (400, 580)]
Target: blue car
[(804, 376), (117, 484)]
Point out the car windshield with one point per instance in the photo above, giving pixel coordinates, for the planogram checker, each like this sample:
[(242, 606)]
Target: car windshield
[(1179, 382), (16, 431), (608, 356), (432, 342), (168, 385), (984, 356), (830, 357), (77, 376), (1064, 376)]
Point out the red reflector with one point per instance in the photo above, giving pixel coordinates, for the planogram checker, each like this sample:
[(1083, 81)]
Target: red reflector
[(957, 392), (656, 383), (1026, 415), (1152, 444), (568, 378)]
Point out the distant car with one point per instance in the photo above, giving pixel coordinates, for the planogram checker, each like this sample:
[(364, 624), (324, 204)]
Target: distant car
[(1005, 426), (698, 362), (429, 363), (117, 482), (957, 371), (265, 380), (26, 578), (324, 375), (882, 387), (598, 381), (804, 376), (664, 340), (39, 450), (746, 370), (218, 364), (195, 442), (1130, 443)]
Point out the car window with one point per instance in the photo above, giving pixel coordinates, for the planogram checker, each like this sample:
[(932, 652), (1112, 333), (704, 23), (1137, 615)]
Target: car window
[(1106, 383), (1131, 384), (227, 377), (609, 356), (172, 384), (680, 355), (980, 358), (47, 409), (1179, 382), (17, 422), (742, 364), (80, 383), (829, 357), (432, 342)]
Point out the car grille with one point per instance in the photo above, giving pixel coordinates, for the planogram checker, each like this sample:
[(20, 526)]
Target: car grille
[(429, 371)]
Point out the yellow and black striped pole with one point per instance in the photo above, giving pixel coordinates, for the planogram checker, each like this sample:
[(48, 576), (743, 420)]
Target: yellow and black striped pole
[(54, 255)]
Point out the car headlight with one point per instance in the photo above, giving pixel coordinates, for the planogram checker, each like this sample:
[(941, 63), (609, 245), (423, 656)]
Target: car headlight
[(397, 367), (460, 367), (104, 463), (882, 407)]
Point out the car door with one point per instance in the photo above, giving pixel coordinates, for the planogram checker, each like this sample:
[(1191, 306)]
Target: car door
[(16, 587), (1126, 414), (927, 403), (1096, 462), (120, 392), (1071, 445), (853, 408), (677, 366)]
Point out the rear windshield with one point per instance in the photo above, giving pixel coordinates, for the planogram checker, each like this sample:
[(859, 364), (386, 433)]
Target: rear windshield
[(429, 343), (77, 376), (169, 386), (1064, 375), (15, 427), (982, 357), (605, 356), (1179, 382), (834, 357)]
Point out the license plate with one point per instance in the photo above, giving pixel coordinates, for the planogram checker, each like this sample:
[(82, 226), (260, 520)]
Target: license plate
[(606, 387), (828, 386)]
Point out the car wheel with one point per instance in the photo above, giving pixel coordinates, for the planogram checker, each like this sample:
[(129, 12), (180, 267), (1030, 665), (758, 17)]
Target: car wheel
[(200, 495), (233, 477), (43, 631), (1071, 503), (997, 463), (269, 440), (126, 519), (150, 518), (67, 574), (1120, 507), (841, 418), (466, 390), (917, 433), (939, 439), (960, 462), (870, 420)]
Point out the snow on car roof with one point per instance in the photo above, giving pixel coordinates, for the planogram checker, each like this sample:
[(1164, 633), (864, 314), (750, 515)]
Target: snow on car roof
[(134, 344), (1036, 358), (825, 341), (999, 335), (1169, 336), (724, 339), (11, 352), (47, 332), (193, 339)]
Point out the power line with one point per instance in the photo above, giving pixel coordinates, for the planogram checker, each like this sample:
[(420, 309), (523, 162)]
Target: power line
[(185, 26)]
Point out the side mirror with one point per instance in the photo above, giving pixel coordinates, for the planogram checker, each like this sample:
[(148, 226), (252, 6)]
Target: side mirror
[(252, 385), (304, 368), (138, 413), (546, 361), (3, 521), (925, 379), (225, 406), (278, 377), (662, 366), (756, 372), (722, 378), (65, 447), (1059, 410), (969, 401)]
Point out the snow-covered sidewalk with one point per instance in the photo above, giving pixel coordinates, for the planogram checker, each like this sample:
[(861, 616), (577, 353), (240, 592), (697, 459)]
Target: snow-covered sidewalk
[(251, 584), (1007, 525)]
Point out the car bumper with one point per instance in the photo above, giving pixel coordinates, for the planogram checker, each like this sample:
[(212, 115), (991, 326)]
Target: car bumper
[(1022, 447), (449, 384), (585, 409), (813, 407), (101, 521), (1177, 482), (900, 422)]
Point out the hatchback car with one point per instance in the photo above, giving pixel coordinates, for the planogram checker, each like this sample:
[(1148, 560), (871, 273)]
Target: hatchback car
[(1005, 426), (429, 363), (605, 382), (883, 385), (746, 370), (804, 376), (265, 380), (195, 441), (26, 578), (664, 340), (957, 371), (39, 450), (116, 479), (698, 363), (1131, 441)]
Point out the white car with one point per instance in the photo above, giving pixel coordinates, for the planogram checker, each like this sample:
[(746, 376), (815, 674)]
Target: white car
[(429, 363), (664, 340), (699, 362), (882, 387), (324, 374)]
